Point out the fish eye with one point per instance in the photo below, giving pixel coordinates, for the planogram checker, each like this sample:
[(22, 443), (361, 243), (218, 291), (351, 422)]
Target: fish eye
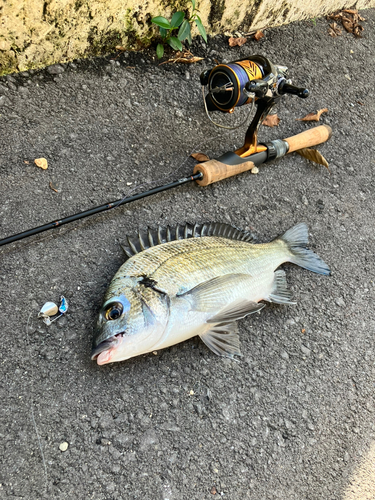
[(114, 311)]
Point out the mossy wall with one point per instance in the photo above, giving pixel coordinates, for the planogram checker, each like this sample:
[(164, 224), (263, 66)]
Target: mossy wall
[(37, 33)]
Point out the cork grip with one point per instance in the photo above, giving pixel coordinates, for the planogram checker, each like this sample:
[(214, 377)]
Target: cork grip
[(310, 137), (214, 170)]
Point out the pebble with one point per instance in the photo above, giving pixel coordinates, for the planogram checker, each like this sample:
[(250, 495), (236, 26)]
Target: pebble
[(55, 69), (64, 446), (305, 350), (4, 100), (284, 355), (340, 302), (305, 201)]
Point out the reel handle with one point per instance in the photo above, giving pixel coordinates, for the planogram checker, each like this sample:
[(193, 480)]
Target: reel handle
[(287, 88), (215, 170)]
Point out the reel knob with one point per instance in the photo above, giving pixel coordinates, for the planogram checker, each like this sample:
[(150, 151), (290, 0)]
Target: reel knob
[(287, 88)]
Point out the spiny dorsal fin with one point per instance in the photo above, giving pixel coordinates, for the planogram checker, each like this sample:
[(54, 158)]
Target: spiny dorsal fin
[(154, 237)]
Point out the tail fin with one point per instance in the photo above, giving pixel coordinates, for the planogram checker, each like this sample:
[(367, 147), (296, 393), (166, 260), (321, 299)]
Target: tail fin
[(296, 239)]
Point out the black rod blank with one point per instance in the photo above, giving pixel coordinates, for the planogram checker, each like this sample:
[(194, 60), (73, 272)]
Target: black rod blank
[(101, 208)]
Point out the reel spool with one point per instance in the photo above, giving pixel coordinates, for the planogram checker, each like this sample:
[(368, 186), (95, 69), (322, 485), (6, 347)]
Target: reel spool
[(253, 80), (226, 83)]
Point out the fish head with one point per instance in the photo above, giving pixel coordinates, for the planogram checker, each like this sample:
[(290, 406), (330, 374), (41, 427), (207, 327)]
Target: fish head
[(131, 321)]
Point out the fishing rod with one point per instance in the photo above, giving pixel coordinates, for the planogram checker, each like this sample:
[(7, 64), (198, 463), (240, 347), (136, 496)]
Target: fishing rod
[(254, 80)]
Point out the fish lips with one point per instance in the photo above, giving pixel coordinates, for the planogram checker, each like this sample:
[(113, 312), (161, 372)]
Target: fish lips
[(105, 345)]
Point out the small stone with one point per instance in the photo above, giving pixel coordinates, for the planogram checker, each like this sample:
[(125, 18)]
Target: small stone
[(305, 201), (254, 170), (340, 302), (284, 355), (55, 69), (305, 350), (64, 446), (4, 100), (42, 163)]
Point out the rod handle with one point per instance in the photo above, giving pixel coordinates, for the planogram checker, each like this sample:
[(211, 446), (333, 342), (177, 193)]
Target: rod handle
[(215, 170), (311, 137)]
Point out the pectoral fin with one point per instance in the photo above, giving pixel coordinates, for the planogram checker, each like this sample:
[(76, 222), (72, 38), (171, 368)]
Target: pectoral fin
[(236, 311), (211, 295), (223, 340)]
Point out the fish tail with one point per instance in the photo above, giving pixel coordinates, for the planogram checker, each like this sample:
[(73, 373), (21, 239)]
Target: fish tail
[(296, 239)]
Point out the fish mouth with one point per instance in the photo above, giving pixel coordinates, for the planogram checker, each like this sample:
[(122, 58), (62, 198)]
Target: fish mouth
[(104, 347)]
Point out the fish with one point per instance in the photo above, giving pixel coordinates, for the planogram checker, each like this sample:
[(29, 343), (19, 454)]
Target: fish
[(194, 280)]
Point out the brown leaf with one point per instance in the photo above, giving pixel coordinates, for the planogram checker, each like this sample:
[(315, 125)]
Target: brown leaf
[(120, 48), (334, 30), (200, 157), (350, 19), (233, 42), (185, 57), (271, 121), (313, 117), (42, 163), (258, 35), (53, 187), (213, 490), (313, 155)]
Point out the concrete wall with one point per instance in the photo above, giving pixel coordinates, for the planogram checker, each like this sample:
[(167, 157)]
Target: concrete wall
[(37, 33)]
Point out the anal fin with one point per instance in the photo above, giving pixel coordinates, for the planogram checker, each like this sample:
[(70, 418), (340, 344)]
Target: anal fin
[(280, 294)]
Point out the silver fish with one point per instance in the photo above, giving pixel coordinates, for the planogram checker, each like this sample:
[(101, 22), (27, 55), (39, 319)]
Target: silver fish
[(194, 280)]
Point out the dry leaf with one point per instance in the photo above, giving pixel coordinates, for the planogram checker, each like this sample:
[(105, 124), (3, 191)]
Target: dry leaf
[(42, 163), (185, 57), (334, 30), (271, 121), (313, 117), (258, 35), (213, 490), (350, 19), (200, 157), (313, 155), (233, 42), (53, 187), (121, 48)]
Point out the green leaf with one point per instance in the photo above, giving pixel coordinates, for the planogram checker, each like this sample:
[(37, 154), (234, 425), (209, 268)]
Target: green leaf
[(201, 29), (175, 43), (189, 38), (177, 19), (193, 3), (162, 22), (160, 50), (184, 31), (163, 32)]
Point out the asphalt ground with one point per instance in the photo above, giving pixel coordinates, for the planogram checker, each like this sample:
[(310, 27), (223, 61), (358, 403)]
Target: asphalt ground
[(295, 417)]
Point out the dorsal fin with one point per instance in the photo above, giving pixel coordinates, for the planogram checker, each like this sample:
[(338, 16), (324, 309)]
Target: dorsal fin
[(154, 237)]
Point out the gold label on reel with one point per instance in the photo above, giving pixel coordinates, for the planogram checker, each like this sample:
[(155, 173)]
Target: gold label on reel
[(253, 71)]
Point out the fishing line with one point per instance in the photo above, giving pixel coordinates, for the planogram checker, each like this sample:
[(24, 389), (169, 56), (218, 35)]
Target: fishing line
[(32, 408)]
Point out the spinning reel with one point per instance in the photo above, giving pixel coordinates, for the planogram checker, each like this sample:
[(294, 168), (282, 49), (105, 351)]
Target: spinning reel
[(256, 81)]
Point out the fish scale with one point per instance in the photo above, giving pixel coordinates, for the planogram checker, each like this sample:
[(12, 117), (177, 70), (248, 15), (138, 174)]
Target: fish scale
[(199, 283)]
